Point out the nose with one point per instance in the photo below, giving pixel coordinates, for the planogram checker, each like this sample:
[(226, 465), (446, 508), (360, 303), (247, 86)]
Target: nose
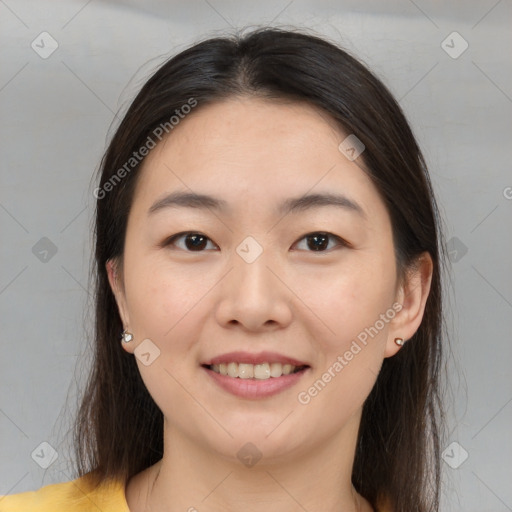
[(254, 295)]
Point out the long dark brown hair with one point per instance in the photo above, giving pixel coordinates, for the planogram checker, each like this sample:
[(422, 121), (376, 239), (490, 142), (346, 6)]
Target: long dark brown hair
[(119, 429)]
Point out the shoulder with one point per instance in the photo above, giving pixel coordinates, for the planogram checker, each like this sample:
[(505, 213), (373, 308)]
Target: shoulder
[(76, 495)]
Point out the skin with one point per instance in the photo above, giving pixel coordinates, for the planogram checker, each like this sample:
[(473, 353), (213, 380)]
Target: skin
[(302, 303)]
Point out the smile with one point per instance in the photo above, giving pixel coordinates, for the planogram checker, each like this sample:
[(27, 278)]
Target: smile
[(261, 371), (254, 388)]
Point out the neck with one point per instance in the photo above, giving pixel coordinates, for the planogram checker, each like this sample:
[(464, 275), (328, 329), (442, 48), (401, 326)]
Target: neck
[(191, 478)]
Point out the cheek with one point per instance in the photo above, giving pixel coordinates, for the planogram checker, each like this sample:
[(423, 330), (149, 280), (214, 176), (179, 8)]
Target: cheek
[(165, 307), (355, 308), (348, 298), (160, 297)]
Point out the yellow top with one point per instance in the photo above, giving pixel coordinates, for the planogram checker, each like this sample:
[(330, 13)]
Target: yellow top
[(77, 496)]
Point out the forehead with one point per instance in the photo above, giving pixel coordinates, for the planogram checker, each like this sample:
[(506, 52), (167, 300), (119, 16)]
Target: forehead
[(251, 151), (255, 128)]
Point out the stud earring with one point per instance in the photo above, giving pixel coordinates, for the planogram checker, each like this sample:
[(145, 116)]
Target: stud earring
[(126, 336), (399, 341)]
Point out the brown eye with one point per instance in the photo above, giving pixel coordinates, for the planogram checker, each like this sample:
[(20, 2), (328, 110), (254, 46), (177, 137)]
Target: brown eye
[(193, 241), (319, 241)]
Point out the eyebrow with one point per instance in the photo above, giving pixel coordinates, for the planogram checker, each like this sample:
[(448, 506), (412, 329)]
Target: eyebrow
[(290, 205)]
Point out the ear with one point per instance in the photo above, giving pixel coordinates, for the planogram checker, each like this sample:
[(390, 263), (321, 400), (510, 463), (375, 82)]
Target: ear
[(412, 295), (117, 286)]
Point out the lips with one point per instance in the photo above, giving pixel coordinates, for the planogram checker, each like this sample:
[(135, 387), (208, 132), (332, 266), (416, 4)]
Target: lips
[(254, 359), (255, 376), (254, 388)]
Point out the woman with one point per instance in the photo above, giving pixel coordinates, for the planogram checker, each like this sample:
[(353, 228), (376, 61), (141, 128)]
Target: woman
[(267, 243)]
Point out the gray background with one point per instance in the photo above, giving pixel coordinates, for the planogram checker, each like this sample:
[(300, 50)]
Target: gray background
[(55, 119)]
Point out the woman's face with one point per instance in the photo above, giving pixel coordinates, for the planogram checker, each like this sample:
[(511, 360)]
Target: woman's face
[(251, 282)]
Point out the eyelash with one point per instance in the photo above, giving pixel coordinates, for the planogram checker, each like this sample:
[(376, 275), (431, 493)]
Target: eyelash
[(170, 241)]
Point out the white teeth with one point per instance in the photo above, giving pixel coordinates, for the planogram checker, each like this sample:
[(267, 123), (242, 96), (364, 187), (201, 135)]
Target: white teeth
[(287, 368), (261, 371), (276, 369), (246, 371), (232, 369)]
